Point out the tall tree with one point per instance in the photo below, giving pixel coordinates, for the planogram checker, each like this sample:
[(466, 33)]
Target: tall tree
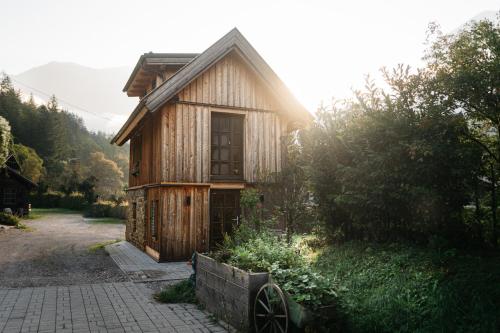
[(464, 72)]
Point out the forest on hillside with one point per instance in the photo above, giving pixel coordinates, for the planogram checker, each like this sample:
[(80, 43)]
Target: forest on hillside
[(57, 151)]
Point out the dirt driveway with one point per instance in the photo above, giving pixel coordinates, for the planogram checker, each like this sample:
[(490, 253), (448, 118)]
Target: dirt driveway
[(56, 252)]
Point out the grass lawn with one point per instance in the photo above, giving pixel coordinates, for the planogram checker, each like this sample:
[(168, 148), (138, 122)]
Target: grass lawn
[(104, 220), (39, 212), (399, 288)]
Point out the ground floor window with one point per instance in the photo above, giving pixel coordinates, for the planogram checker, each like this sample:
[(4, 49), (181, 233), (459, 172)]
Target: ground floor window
[(9, 196), (153, 218), (134, 217)]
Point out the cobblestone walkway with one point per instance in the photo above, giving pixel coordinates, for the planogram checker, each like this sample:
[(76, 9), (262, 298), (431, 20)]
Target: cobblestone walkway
[(141, 267), (107, 307)]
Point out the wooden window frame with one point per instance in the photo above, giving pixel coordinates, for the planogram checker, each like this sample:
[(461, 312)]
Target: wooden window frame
[(229, 177), (153, 219), (134, 216)]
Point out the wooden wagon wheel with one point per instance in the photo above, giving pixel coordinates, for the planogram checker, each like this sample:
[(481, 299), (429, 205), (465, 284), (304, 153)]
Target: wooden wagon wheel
[(270, 310)]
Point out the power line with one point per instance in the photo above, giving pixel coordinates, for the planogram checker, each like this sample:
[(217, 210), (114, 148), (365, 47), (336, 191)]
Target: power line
[(60, 99)]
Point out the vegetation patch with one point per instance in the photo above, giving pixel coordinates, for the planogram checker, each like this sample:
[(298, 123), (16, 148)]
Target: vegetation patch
[(100, 246), (40, 212), (105, 220), (181, 292), (395, 288), (8, 219)]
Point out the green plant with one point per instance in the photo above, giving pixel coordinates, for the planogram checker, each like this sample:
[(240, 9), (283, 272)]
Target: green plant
[(261, 252), (107, 209), (181, 292), (305, 286), (100, 246), (8, 219)]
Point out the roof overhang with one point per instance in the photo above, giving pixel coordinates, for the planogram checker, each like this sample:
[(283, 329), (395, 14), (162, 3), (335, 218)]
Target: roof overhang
[(151, 64)]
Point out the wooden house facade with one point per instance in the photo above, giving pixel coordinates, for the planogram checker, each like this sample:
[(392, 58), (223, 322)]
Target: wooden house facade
[(207, 125)]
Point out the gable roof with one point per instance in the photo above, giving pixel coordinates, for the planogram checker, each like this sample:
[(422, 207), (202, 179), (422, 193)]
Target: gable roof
[(12, 168), (152, 60), (232, 41)]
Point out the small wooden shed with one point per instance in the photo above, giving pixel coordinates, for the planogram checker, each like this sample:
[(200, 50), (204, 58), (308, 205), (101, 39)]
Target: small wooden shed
[(206, 126), (14, 188)]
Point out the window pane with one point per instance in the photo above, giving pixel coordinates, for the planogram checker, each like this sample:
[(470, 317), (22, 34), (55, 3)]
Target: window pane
[(224, 139), (215, 168), (215, 154), (236, 169), (215, 139), (224, 154), (224, 168)]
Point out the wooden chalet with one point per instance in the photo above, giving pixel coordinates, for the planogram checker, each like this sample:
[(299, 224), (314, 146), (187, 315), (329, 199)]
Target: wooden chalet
[(14, 188), (206, 126)]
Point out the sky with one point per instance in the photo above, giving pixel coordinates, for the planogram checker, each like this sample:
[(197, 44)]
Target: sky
[(320, 49)]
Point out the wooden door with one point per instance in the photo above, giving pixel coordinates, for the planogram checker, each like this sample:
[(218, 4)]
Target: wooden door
[(224, 214), (153, 220)]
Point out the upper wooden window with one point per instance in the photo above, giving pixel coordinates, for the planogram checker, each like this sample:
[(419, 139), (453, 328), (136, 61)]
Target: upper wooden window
[(226, 146)]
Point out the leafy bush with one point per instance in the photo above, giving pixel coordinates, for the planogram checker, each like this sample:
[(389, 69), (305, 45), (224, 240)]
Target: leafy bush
[(181, 292), (305, 286), (74, 201), (261, 253), (8, 219), (107, 209), (49, 199)]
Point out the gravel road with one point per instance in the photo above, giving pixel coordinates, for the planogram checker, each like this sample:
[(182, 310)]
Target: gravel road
[(56, 252)]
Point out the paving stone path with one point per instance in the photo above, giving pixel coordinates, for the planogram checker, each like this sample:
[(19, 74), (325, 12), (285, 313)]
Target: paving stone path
[(141, 267), (88, 306), (107, 307)]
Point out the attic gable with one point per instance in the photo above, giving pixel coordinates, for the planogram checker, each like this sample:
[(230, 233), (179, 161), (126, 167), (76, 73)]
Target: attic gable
[(229, 82), (232, 41)]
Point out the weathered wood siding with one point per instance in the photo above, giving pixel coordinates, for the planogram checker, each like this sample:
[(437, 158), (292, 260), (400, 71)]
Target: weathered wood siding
[(150, 164), (185, 226), (229, 82), (186, 143)]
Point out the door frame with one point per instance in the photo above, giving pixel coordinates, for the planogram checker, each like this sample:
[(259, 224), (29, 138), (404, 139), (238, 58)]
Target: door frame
[(213, 191)]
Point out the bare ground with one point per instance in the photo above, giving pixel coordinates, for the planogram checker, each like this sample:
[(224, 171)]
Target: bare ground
[(56, 252)]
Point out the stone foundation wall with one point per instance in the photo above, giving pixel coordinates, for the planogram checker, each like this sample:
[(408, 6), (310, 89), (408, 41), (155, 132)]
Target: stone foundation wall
[(135, 231)]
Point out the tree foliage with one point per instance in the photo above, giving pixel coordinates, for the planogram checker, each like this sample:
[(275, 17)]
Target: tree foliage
[(108, 176), (5, 140), (463, 74), (407, 161), (31, 164), (59, 138)]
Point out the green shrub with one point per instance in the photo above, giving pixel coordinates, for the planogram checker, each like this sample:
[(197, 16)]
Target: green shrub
[(107, 209), (50, 199), (305, 286), (8, 219), (74, 201), (181, 292), (261, 252)]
